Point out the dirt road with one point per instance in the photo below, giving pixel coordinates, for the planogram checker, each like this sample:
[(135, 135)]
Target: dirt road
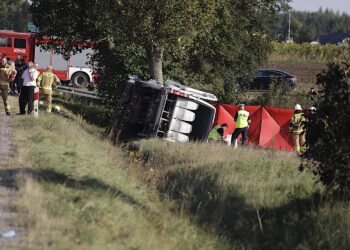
[(7, 188)]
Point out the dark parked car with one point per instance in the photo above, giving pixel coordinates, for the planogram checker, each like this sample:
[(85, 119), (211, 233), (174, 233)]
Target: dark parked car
[(265, 77)]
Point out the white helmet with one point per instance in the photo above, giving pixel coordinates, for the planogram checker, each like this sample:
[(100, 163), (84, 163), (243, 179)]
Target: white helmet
[(312, 109), (298, 107)]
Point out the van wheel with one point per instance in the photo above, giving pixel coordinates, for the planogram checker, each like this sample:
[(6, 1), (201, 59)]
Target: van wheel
[(80, 80)]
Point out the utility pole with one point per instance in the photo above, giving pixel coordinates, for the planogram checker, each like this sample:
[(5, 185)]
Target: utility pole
[(288, 25), (289, 39)]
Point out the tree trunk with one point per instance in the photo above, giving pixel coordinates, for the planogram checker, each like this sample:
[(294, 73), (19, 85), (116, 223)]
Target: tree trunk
[(155, 63)]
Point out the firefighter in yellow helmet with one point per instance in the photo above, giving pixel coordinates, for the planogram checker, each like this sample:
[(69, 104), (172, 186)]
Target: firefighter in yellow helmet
[(45, 81), (217, 133), (296, 127), (6, 72)]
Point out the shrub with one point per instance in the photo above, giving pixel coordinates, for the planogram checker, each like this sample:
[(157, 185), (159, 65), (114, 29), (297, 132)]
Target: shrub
[(282, 95), (328, 133)]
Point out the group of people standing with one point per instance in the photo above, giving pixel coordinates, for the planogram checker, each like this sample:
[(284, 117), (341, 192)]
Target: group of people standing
[(20, 79), (242, 121)]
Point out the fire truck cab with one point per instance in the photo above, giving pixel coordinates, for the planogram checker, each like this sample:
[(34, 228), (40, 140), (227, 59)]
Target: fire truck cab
[(75, 70), (16, 43)]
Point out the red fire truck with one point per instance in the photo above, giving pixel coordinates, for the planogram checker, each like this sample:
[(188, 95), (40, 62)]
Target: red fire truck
[(76, 70)]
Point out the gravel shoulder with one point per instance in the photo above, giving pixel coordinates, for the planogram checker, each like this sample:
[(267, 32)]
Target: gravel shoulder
[(8, 190)]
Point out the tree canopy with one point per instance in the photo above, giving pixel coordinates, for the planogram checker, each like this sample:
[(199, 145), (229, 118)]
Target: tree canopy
[(204, 43), (14, 15), (328, 133), (308, 26)]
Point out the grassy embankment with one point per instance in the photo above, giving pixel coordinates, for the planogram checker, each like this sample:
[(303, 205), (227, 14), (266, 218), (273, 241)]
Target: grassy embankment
[(257, 199), (77, 192), (74, 193)]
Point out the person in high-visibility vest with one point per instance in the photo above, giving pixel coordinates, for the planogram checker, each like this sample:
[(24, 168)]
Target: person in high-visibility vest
[(6, 71), (217, 133), (45, 81), (242, 120), (296, 127)]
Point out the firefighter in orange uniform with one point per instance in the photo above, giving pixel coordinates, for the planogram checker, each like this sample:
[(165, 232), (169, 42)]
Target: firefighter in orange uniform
[(45, 82)]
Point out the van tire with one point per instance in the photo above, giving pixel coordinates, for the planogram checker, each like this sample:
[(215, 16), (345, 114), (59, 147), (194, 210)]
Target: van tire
[(80, 80)]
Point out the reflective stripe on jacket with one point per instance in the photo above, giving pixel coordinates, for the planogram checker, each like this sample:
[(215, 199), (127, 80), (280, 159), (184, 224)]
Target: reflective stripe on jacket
[(214, 134), (297, 123), (242, 119), (4, 75), (46, 79)]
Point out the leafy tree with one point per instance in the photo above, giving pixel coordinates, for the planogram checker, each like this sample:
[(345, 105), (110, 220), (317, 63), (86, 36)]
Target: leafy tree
[(114, 66), (308, 26), (206, 44), (153, 25), (328, 133), (224, 59), (14, 15)]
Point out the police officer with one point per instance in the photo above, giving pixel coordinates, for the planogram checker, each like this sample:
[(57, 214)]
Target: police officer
[(45, 82), (20, 68), (296, 127), (242, 120), (5, 72), (217, 133)]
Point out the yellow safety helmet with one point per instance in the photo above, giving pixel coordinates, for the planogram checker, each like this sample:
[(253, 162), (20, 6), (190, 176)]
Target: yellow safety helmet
[(56, 108)]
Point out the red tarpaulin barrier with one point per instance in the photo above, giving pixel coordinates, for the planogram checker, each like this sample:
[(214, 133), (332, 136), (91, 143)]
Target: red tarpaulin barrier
[(269, 126)]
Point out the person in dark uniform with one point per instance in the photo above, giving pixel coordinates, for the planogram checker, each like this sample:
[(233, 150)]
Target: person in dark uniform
[(20, 68)]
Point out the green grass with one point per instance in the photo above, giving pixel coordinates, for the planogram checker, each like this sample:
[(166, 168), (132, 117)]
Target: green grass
[(91, 113), (305, 53), (77, 192), (254, 198)]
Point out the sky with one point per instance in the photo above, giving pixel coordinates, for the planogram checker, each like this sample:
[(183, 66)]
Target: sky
[(314, 5)]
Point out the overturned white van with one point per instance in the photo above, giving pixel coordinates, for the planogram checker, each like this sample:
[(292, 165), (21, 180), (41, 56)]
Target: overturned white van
[(173, 112)]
